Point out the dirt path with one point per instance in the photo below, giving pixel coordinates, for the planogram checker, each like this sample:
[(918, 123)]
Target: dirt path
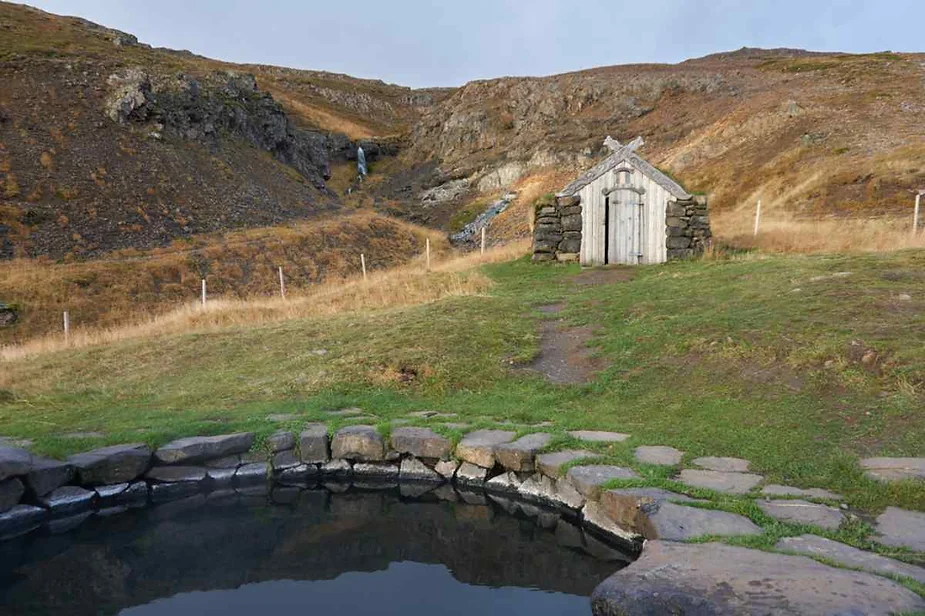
[(564, 356)]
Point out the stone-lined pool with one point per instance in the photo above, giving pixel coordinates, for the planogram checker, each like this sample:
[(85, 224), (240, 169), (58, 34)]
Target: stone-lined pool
[(357, 552)]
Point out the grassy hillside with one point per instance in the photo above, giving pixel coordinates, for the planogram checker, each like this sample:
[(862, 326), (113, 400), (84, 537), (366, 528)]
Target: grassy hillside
[(801, 364)]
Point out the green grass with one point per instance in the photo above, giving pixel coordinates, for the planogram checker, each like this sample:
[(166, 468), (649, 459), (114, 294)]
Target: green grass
[(719, 357)]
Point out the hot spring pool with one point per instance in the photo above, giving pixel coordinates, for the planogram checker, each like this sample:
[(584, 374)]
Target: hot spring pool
[(311, 551)]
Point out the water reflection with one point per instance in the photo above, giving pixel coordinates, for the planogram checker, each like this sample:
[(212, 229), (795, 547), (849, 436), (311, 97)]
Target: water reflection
[(359, 552)]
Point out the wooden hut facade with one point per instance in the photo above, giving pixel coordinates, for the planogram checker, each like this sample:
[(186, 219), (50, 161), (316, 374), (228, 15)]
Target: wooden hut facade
[(623, 210)]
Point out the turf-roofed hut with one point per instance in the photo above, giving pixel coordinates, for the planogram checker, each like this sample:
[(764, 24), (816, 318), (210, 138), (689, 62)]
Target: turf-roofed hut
[(623, 210)]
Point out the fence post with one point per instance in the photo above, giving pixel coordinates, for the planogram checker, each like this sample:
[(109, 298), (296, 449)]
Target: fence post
[(483, 241), (203, 292), (363, 264), (427, 251), (915, 214), (67, 326), (282, 283), (757, 217)]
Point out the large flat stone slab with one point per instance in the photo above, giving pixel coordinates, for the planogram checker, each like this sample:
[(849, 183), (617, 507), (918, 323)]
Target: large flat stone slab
[(280, 440), (658, 454), (598, 436), (848, 556), (47, 474), (894, 469), (779, 490), (172, 474), (726, 465), (551, 464), (589, 479), (479, 447), (314, 444), (14, 461), (359, 443), (803, 512), (901, 528), (719, 580), (520, 455), (113, 464), (731, 483), (196, 449), (666, 520), (421, 443)]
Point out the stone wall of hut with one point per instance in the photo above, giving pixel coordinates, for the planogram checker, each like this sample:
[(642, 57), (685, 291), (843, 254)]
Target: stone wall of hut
[(687, 225), (557, 229)]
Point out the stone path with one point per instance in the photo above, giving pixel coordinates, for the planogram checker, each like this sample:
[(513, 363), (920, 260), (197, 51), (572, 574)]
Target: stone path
[(596, 436), (779, 490), (803, 512), (659, 455), (894, 469), (848, 556), (720, 481), (901, 528)]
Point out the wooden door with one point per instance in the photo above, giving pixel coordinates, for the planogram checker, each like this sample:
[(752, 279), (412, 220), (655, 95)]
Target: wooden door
[(624, 231)]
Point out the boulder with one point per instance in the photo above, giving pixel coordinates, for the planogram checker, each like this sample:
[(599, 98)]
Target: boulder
[(421, 443), (626, 506), (726, 465), (281, 440), (589, 479), (670, 521), (14, 462), (68, 500), (731, 483), (221, 477), (130, 494), (20, 519), (47, 474), (803, 512), (336, 468), (570, 246), (850, 557), (255, 472), (659, 455), (479, 447), (11, 491), (413, 469), (359, 443), (722, 580), (678, 242), (233, 461), (314, 444), (551, 464), (520, 455), (375, 470), (901, 528), (568, 201), (446, 468), (595, 516), (299, 474), (505, 482), (571, 222), (287, 458), (114, 464), (196, 449), (471, 474)]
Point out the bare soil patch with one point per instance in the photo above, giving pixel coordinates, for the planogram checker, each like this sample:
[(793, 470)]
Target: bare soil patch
[(564, 356)]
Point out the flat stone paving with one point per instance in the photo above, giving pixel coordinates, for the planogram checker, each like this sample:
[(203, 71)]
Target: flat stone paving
[(894, 469), (551, 463), (726, 465), (901, 528), (589, 479), (675, 522), (596, 436), (658, 454), (803, 512), (713, 578), (848, 556), (730, 483), (779, 490)]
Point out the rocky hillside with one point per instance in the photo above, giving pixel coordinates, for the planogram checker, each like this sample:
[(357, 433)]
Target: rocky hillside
[(107, 143)]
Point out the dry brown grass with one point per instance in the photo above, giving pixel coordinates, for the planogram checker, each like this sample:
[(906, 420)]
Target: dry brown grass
[(406, 285), (131, 284), (780, 232), (517, 220)]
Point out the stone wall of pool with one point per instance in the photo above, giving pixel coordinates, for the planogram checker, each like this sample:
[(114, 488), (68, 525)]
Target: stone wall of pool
[(668, 576)]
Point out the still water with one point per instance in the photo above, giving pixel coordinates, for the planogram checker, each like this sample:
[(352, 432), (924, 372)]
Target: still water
[(310, 551)]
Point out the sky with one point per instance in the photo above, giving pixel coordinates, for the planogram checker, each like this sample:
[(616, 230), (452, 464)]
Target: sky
[(420, 44)]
